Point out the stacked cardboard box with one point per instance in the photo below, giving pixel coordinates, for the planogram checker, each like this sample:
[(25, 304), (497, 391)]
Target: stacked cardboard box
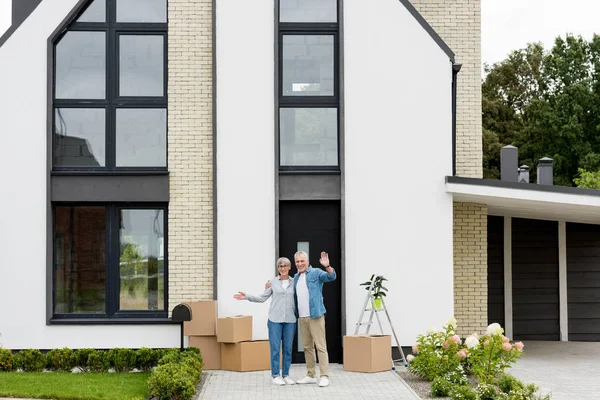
[(368, 353), (238, 351), (202, 332)]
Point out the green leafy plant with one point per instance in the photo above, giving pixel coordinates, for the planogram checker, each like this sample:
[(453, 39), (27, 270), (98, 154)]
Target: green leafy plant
[(440, 387), (146, 358), (176, 376), (6, 360), (30, 360), (81, 357), (60, 359), (508, 383), (463, 393), (122, 360), (98, 361), (436, 353), (378, 289), (528, 392), (486, 391)]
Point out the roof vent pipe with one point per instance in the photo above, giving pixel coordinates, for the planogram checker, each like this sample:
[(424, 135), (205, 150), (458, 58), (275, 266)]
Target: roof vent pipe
[(544, 171), (524, 174), (509, 163)]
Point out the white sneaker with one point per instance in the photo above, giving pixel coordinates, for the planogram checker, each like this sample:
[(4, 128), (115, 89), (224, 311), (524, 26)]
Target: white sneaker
[(307, 379), (289, 381), (324, 381), (278, 381)]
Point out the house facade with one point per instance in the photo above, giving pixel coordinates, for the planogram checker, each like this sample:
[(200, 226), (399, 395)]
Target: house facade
[(171, 151)]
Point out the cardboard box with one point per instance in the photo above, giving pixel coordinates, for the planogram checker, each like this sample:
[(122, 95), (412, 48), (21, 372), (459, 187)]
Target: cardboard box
[(368, 353), (210, 350), (246, 356), (204, 319), (234, 329)]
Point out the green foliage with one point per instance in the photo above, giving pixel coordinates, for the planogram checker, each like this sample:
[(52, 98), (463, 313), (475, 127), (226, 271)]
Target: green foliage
[(436, 353), (98, 361), (81, 357), (528, 392), (487, 392), (588, 179), (147, 358), (60, 359), (6, 360), (440, 387), (378, 289), (122, 360), (463, 393), (176, 376), (508, 383), (547, 103), (30, 360)]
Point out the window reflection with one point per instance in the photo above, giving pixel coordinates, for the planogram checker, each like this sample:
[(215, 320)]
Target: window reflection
[(141, 137), (308, 65), (79, 137)]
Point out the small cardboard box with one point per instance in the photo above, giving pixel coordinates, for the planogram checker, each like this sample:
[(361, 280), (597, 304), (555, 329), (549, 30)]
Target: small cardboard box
[(204, 319), (234, 329), (210, 350), (246, 356), (368, 353)]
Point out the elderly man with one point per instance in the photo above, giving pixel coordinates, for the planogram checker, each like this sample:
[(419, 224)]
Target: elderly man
[(308, 284)]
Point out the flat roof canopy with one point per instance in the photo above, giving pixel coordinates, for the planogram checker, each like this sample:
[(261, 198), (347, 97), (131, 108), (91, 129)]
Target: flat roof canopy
[(528, 200)]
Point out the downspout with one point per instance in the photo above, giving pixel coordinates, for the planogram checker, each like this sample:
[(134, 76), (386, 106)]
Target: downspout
[(455, 69)]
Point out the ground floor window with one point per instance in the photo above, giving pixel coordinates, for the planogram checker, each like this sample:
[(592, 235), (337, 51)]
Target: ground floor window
[(109, 261)]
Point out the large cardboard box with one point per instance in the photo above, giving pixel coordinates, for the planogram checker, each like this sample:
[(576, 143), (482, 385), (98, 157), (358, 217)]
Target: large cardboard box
[(210, 350), (368, 353), (204, 319), (246, 356), (234, 329)]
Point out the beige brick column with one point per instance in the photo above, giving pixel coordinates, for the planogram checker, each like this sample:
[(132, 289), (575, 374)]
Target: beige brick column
[(459, 24), (190, 240), (470, 267)]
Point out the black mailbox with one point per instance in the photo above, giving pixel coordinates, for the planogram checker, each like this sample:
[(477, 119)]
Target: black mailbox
[(181, 313)]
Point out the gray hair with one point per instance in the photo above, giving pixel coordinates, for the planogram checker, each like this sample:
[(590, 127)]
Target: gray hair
[(300, 253), (284, 261)]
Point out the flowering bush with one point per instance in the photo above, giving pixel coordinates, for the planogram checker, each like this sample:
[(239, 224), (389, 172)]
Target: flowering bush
[(463, 393), (437, 352)]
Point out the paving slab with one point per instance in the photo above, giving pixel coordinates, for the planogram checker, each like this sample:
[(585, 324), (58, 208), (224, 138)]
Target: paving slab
[(227, 385), (566, 370)]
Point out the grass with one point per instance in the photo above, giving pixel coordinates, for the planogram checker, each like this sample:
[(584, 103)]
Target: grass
[(68, 386)]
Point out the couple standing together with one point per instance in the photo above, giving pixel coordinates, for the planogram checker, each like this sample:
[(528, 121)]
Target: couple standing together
[(299, 297)]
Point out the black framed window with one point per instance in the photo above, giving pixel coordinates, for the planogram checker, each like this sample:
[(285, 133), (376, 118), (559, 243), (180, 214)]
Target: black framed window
[(308, 85), (110, 88), (110, 261)]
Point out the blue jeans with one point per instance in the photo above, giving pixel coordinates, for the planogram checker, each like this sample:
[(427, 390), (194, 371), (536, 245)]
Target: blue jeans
[(281, 334)]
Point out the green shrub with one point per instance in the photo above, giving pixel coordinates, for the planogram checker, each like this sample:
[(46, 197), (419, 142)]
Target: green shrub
[(462, 393), (176, 376), (122, 360), (440, 387), (508, 383), (29, 360), (487, 392), (528, 392), (170, 358), (60, 359), (457, 377), (81, 357), (6, 360), (146, 358), (98, 361)]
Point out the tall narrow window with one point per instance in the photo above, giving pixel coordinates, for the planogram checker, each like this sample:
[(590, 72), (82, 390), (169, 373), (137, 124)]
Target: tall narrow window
[(110, 96), (308, 85)]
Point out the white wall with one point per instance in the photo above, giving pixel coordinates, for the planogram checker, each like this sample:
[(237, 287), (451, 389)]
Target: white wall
[(245, 155), (23, 66), (5, 15), (398, 149)]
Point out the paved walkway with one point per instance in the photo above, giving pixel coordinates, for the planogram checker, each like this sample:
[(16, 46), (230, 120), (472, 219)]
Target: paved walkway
[(567, 370), (224, 385)]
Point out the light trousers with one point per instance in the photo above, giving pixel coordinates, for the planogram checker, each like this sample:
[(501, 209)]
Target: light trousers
[(312, 331)]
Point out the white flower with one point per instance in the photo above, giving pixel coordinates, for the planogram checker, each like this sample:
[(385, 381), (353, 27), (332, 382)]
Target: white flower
[(494, 329), (452, 322), (410, 358), (430, 330), (471, 342)]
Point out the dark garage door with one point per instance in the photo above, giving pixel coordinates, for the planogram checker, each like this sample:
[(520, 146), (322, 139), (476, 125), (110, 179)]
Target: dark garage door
[(583, 281), (535, 279)]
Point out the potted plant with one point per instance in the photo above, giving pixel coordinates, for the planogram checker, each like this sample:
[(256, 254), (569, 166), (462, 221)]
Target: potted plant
[(378, 290)]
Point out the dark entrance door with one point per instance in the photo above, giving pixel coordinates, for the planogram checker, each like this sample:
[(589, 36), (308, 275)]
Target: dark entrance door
[(314, 226)]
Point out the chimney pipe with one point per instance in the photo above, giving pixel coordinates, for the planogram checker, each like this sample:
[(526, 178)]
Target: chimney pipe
[(509, 163), (544, 171), (524, 174)]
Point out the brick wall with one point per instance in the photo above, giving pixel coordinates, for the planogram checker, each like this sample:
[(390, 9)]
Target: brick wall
[(470, 267), (458, 22), (190, 151)]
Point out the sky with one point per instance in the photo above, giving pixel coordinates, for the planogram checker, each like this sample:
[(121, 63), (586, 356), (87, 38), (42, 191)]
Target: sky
[(508, 25)]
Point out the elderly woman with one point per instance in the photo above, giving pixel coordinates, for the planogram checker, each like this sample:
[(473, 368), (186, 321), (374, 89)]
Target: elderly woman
[(282, 320)]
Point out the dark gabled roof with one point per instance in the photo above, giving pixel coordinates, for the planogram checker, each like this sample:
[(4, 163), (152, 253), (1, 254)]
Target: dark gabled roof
[(21, 9), (428, 29)]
